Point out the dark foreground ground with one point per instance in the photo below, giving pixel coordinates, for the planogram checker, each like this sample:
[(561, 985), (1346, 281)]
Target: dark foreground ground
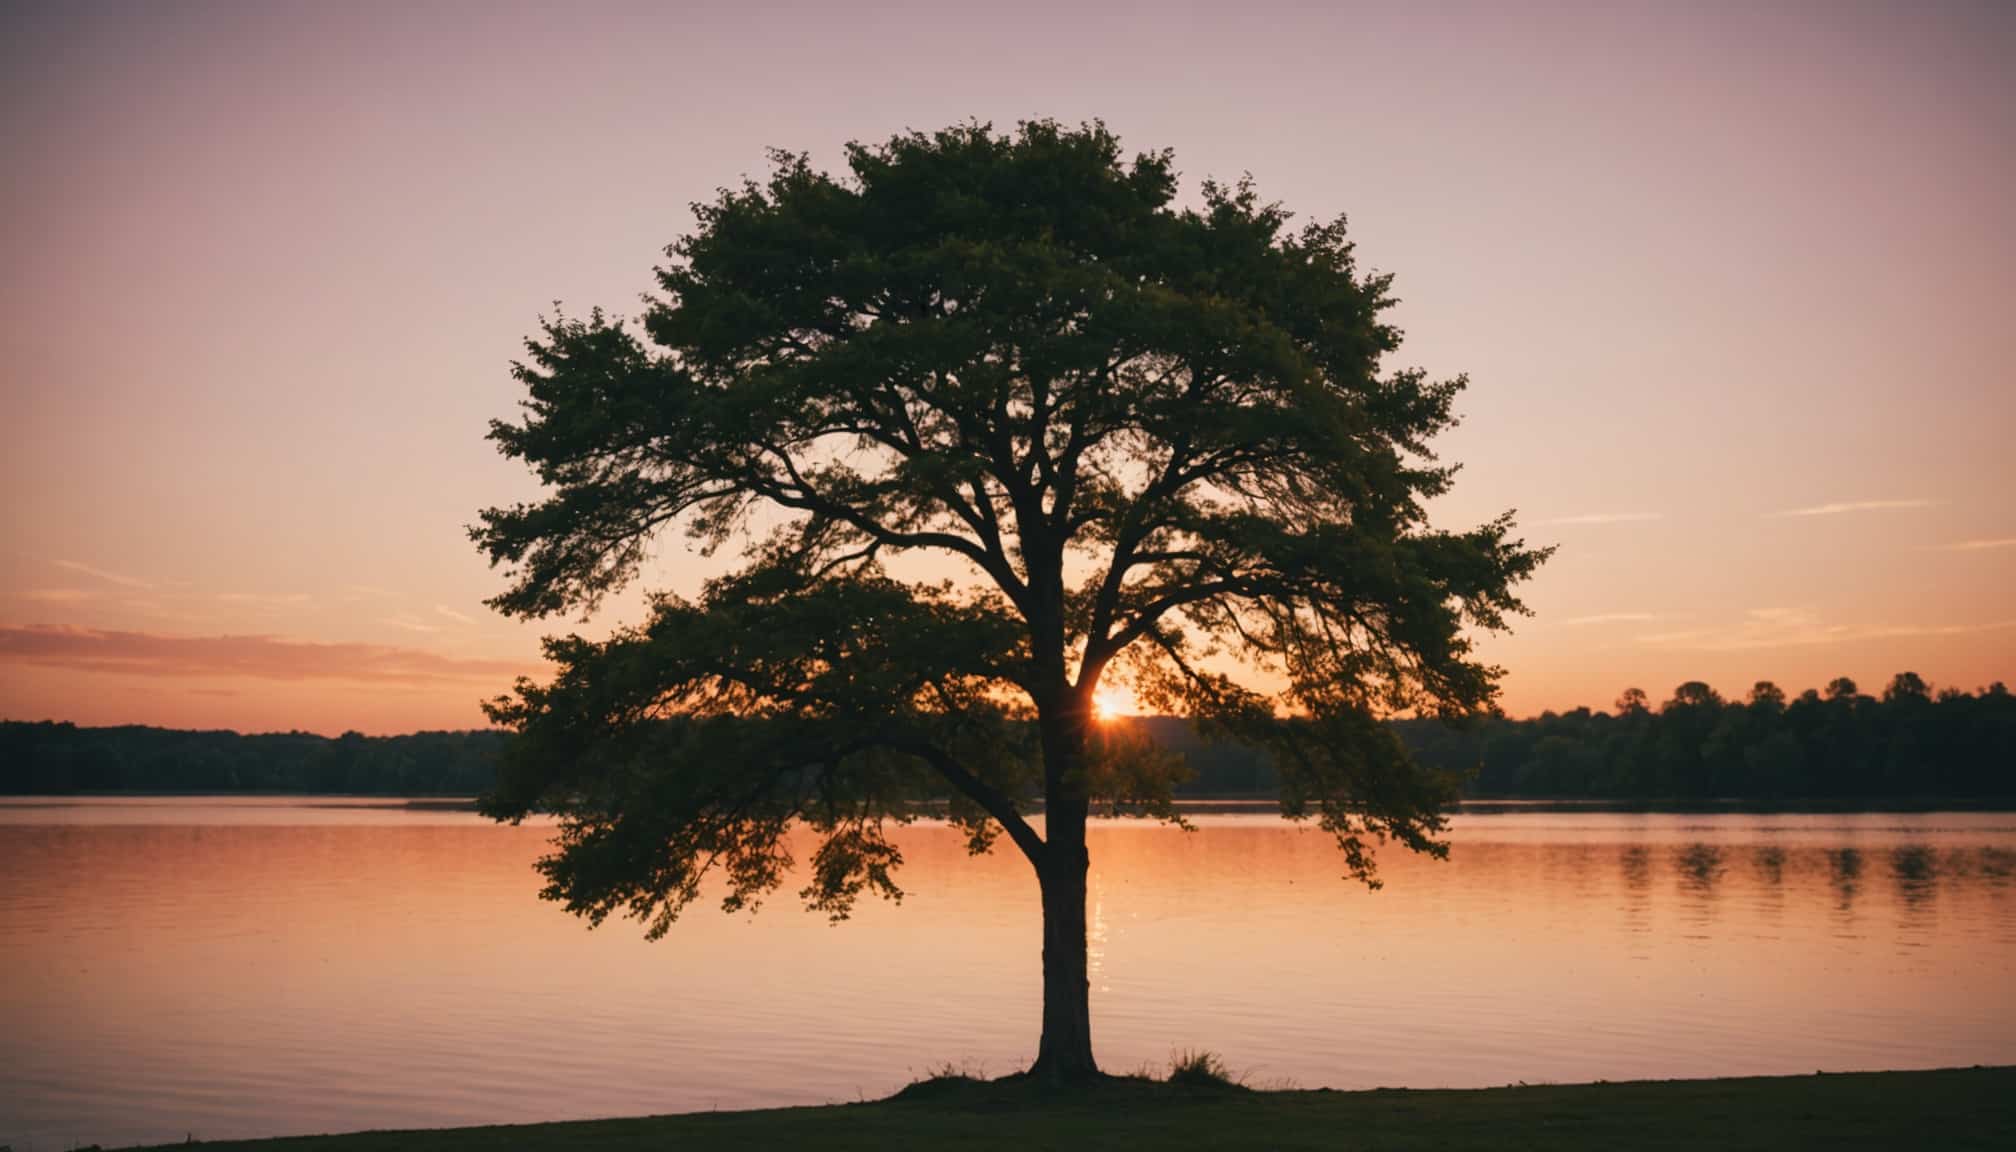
[(1957, 1108)]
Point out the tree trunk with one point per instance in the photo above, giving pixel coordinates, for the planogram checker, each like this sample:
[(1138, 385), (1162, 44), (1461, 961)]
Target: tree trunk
[(1065, 1053)]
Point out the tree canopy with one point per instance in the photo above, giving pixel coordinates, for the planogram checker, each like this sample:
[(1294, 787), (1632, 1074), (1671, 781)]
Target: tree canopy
[(990, 417)]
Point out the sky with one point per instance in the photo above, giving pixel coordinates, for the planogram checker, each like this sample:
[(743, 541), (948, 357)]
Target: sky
[(1733, 285)]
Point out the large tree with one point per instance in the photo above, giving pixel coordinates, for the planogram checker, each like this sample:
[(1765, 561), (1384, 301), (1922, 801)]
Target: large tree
[(991, 420)]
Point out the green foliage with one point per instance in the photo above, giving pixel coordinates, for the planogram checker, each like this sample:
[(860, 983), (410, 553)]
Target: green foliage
[(1119, 436)]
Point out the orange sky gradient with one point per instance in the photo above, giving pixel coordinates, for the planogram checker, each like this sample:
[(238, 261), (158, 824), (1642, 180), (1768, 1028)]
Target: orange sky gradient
[(1732, 283)]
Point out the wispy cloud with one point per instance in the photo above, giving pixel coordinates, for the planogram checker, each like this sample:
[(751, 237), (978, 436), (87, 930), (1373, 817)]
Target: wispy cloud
[(266, 599), (1847, 506), (159, 604), (1764, 628), (411, 624), (1980, 545), (150, 606), (255, 657), (1886, 631), (1608, 618), (451, 614), (123, 581), (1602, 518), (355, 592), (56, 595)]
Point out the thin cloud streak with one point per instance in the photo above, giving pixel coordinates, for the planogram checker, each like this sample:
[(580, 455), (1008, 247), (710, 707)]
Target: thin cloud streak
[(109, 577), (1980, 545), (1847, 506), (254, 657), (452, 614), (273, 599), (56, 595), (1608, 618), (1769, 628), (1602, 518), (147, 606)]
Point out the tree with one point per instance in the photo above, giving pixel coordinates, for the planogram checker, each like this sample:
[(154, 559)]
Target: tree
[(1767, 698), (1908, 686), (1686, 722), (992, 421), (1693, 694)]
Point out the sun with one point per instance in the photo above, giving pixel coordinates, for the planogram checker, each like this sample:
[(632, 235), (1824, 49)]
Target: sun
[(1110, 703)]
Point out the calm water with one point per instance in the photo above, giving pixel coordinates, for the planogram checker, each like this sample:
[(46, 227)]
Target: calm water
[(241, 967)]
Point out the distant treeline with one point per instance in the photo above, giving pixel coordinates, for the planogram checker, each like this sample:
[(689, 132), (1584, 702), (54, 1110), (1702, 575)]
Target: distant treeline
[(62, 758), (1908, 742)]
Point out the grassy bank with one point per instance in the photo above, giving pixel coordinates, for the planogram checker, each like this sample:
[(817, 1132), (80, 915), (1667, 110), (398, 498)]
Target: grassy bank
[(1958, 1108)]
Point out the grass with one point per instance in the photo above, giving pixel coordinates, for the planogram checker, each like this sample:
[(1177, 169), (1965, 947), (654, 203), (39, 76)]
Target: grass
[(1200, 1106), (1201, 1070)]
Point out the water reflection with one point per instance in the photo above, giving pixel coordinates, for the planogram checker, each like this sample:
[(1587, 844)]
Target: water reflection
[(221, 972), (1767, 872), (1769, 861), (1700, 867), (1700, 870), (1847, 868), (1636, 861), (1916, 869), (1997, 863)]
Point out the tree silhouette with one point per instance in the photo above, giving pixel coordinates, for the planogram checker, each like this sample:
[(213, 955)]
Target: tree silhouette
[(992, 421), (1907, 686), (1767, 698)]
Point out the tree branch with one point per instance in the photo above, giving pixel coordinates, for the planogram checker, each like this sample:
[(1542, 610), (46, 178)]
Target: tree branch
[(991, 799)]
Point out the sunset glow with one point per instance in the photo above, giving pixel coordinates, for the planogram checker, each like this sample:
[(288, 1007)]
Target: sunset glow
[(1111, 703), (1730, 292), (1177, 575)]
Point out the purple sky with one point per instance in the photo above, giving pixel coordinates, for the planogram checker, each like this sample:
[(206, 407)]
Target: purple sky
[(1733, 284)]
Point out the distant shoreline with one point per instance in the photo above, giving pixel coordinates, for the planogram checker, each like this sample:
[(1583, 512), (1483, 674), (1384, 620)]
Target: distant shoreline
[(1190, 805), (1908, 751)]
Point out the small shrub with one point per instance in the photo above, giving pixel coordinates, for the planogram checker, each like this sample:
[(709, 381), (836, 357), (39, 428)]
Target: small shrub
[(1201, 1069), (940, 1080)]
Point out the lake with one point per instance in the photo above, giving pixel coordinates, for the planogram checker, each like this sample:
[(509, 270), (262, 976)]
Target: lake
[(249, 967)]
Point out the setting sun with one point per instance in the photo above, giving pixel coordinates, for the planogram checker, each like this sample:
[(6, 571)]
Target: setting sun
[(1110, 703)]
